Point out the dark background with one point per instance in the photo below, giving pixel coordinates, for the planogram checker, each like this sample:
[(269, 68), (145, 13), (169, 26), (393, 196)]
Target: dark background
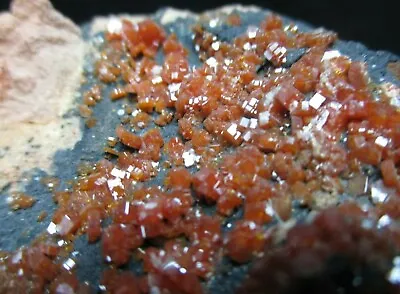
[(374, 23)]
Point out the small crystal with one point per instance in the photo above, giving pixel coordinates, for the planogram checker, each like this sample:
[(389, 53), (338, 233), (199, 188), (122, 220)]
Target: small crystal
[(263, 118), (114, 25), (247, 136), (190, 157), (367, 223), (394, 275), (246, 46), (52, 228), (321, 120), (252, 32), (143, 231), (113, 183), (212, 62), (305, 105), (228, 62), (118, 173), (216, 46), (253, 123), (174, 87), (244, 122), (381, 141), (335, 105), (100, 181), (269, 209), (156, 70), (362, 130), (232, 130), (252, 225), (316, 101), (257, 83), (157, 80), (270, 96), (251, 106), (213, 23), (174, 75), (275, 52), (127, 207), (378, 194), (384, 221), (65, 226), (17, 257), (69, 264), (135, 112), (331, 54)]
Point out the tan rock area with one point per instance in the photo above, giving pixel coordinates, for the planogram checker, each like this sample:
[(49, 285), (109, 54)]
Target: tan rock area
[(41, 57)]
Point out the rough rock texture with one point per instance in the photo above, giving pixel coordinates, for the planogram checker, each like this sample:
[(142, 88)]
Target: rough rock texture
[(41, 55)]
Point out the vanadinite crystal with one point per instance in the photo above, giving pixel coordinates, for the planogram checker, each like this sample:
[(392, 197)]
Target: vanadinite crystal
[(255, 136)]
